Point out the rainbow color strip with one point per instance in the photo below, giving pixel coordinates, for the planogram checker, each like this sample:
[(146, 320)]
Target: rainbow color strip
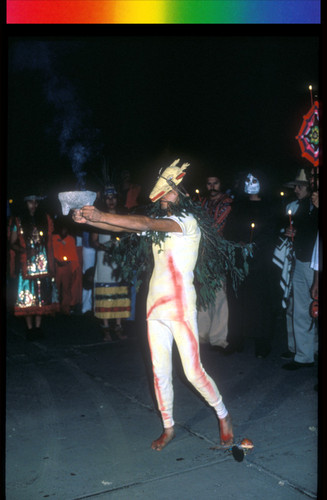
[(163, 11)]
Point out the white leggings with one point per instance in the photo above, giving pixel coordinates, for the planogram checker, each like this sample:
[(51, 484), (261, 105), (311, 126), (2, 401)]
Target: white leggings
[(161, 334)]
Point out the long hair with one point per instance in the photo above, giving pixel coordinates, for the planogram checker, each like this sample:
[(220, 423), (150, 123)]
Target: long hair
[(28, 221), (216, 257)]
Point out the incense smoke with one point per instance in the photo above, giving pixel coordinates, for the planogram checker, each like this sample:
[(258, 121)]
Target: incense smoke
[(77, 141)]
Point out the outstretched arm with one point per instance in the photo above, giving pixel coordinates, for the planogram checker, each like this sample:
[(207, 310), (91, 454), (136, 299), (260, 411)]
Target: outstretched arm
[(118, 223), (81, 216)]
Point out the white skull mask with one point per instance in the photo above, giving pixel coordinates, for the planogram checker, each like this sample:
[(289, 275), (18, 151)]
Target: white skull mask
[(252, 185)]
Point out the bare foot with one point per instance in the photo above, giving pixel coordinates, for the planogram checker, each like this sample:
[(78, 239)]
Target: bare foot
[(226, 431), (167, 435)]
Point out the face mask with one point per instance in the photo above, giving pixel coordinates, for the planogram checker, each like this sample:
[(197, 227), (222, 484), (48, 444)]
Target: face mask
[(252, 185)]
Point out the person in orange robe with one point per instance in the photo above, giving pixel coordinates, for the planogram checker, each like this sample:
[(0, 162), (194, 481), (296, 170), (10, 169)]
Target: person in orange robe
[(68, 268)]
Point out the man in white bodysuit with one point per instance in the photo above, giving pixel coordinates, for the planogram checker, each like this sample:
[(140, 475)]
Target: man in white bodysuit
[(171, 301)]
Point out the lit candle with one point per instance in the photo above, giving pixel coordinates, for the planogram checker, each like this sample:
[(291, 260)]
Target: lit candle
[(41, 233), (290, 218), (64, 257), (282, 193), (198, 193), (252, 229), (310, 88), (117, 238)]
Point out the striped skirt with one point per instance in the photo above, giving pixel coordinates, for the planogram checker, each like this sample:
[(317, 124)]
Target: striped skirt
[(111, 300)]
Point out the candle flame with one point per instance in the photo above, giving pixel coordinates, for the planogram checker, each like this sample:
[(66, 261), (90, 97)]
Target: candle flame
[(289, 212), (41, 233), (310, 87), (117, 238), (282, 193), (253, 225), (197, 191), (64, 257)]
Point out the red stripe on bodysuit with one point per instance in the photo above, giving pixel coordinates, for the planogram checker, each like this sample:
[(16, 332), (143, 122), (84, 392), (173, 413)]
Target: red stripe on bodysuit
[(177, 280), (159, 302), (198, 369), (165, 415), (177, 296)]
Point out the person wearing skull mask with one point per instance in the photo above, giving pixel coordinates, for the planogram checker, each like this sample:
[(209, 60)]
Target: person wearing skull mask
[(253, 220), (252, 186)]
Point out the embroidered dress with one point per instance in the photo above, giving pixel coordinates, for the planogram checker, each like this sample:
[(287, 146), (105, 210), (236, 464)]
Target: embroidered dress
[(111, 297), (36, 288)]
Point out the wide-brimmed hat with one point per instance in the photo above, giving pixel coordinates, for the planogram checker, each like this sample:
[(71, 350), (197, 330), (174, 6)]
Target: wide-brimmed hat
[(168, 179), (34, 197), (301, 179)]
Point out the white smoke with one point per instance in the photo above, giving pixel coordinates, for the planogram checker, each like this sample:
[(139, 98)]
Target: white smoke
[(75, 139)]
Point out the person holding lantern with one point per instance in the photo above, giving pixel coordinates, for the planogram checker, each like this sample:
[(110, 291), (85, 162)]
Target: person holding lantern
[(301, 330), (31, 242)]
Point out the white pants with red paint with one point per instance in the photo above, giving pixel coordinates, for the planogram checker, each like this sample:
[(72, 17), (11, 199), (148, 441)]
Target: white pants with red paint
[(161, 334)]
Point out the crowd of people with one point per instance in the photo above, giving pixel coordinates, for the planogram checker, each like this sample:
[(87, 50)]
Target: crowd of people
[(60, 269), (56, 269)]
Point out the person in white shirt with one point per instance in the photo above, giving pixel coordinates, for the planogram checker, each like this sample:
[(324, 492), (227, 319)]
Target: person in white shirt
[(171, 301)]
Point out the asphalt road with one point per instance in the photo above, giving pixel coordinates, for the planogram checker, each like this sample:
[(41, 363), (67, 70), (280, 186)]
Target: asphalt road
[(80, 418)]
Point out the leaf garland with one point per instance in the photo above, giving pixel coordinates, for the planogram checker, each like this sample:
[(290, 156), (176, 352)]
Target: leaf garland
[(217, 256)]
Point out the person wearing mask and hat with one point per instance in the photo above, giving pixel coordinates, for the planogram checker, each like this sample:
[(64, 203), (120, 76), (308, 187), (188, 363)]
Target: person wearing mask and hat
[(31, 241), (302, 231), (173, 227)]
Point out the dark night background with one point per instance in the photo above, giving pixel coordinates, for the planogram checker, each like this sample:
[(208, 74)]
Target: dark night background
[(223, 103)]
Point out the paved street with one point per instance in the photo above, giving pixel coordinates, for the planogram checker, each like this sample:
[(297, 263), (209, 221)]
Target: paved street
[(81, 417)]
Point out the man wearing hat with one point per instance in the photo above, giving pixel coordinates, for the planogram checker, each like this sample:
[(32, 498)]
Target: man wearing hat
[(171, 301), (301, 330)]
